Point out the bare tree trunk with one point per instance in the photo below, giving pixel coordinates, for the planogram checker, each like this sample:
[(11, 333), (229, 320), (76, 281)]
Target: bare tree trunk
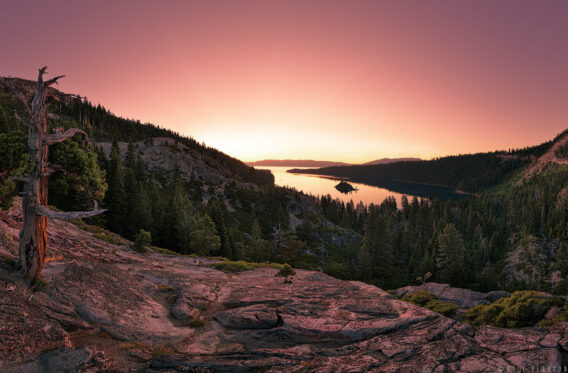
[(33, 235)]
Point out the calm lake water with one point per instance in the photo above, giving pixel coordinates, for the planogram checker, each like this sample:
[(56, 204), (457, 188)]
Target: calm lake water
[(317, 186)]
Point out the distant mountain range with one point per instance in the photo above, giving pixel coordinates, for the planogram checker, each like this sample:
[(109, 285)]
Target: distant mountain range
[(391, 160), (312, 163)]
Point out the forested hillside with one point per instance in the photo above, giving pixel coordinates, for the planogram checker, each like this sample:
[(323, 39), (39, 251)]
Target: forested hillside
[(468, 173), (190, 198), (509, 233)]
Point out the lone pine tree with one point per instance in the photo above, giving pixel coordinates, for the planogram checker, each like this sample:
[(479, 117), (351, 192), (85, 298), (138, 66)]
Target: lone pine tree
[(33, 235)]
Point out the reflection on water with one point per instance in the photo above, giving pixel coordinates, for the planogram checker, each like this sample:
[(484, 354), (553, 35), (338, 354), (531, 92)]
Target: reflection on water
[(317, 186)]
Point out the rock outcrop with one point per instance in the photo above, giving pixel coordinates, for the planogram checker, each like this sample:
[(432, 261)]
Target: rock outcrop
[(108, 308), (463, 298)]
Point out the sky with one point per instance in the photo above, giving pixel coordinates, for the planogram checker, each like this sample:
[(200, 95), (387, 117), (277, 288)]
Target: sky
[(333, 80)]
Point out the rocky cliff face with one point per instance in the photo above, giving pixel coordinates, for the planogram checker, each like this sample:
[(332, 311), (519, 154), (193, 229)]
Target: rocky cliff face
[(107, 308), (163, 154)]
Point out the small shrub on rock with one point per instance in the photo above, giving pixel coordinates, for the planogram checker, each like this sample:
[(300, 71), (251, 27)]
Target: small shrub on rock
[(142, 240), (286, 271), (522, 308), (443, 308), (559, 317), (419, 297), (241, 265), (428, 300)]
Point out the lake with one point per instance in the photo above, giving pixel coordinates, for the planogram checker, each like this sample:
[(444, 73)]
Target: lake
[(317, 186)]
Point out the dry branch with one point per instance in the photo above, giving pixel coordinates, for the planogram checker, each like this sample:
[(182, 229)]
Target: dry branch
[(60, 137), (45, 211)]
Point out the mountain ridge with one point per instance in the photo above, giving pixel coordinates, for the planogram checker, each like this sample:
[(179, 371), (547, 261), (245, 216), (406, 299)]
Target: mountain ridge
[(468, 173), (314, 163)]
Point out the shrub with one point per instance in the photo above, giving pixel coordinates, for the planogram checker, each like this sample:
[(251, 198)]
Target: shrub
[(428, 300), (443, 308), (562, 316), (286, 271), (419, 297), (241, 265), (164, 251), (423, 279), (109, 237), (143, 239), (341, 271), (522, 308)]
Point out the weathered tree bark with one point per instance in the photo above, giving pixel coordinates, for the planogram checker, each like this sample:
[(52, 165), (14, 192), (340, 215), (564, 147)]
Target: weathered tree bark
[(33, 235)]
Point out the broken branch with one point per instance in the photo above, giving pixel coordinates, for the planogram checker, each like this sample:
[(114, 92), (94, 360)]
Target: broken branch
[(53, 80), (60, 137), (44, 211)]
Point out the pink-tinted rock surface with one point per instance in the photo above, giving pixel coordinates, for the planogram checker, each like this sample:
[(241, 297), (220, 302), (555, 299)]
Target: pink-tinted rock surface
[(108, 308)]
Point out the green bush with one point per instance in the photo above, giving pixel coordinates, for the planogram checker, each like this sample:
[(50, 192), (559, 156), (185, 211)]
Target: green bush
[(241, 265), (428, 300), (341, 271), (562, 316), (419, 297), (142, 239), (443, 308), (161, 250), (109, 237), (522, 308), (286, 271)]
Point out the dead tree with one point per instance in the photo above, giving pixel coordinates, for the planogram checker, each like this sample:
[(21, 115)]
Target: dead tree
[(33, 235)]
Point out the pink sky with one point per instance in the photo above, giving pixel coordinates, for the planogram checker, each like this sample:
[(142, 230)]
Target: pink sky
[(336, 80)]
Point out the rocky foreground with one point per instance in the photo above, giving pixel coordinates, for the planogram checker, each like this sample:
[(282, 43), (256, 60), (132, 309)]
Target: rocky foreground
[(108, 308)]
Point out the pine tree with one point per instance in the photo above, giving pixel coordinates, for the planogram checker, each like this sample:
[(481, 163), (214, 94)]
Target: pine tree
[(140, 169), (377, 242), (561, 259), (130, 157), (204, 240), (450, 255), (114, 200), (185, 224), (141, 216), (364, 264), (215, 210), (257, 249)]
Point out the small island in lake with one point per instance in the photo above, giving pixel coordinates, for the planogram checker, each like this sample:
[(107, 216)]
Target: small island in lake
[(345, 187)]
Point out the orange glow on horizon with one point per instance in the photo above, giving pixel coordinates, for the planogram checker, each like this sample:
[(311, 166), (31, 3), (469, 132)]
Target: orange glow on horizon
[(325, 80)]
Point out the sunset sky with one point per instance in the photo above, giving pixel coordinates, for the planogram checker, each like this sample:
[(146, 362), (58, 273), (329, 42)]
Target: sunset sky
[(329, 80)]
